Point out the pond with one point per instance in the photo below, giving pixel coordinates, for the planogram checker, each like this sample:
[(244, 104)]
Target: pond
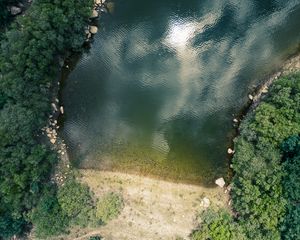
[(156, 92)]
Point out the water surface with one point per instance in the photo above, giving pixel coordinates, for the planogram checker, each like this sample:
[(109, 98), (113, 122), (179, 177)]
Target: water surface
[(156, 92)]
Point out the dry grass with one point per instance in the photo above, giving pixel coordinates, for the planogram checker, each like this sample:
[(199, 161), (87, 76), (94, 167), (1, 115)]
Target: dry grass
[(154, 209)]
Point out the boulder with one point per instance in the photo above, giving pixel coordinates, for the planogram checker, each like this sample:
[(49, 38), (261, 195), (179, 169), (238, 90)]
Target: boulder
[(98, 2), (230, 151), (54, 107), (61, 110), (264, 90), (15, 10), (53, 140), (220, 182), (93, 29), (94, 14), (250, 97), (205, 202), (235, 120)]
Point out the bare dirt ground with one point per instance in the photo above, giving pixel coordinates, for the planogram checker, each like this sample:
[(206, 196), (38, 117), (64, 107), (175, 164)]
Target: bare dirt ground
[(154, 209)]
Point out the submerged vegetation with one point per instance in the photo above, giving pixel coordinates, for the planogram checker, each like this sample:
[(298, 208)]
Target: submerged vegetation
[(266, 184), (28, 69)]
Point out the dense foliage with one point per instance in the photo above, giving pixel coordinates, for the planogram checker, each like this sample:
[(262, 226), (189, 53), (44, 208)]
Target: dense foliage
[(258, 194), (218, 226), (28, 66), (73, 204), (266, 184), (290, 228), (76, 203), (48, 217)]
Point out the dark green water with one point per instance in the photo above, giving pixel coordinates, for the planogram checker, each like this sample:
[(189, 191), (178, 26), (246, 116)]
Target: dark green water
[(156, 92)]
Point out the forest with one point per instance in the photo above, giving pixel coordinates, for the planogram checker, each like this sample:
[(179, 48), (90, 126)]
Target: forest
[(30, 48), (266, 182)]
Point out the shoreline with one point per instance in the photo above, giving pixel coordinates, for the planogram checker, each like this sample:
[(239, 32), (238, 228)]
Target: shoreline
[(289, 66), (63, 167)]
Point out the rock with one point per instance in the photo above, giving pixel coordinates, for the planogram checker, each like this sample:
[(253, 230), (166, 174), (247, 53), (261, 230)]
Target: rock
[(89, 35), (54, 107), (61, 109), (264, 90), (205, 202), (220, 182), (235, 120), (93, 29), (250, 97), (230, 151), (98, 2), (53, 140), (15, 10), (94, 14), (103, 9)]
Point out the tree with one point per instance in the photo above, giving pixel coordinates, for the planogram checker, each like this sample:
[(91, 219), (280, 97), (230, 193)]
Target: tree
[(76, 202)]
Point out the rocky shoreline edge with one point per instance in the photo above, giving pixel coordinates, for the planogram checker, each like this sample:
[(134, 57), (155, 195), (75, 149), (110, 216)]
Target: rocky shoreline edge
[(50, 131), (289, 66)]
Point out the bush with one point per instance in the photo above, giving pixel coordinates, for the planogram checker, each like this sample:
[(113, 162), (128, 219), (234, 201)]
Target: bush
[(76, 202), (95, 238), (109, 207), (218, 226), (48, 217)]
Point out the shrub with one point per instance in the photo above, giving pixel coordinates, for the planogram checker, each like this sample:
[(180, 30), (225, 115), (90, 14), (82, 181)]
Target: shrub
[(95, 238), (48, 217), (76, 202), (218, 226), (109, 207)]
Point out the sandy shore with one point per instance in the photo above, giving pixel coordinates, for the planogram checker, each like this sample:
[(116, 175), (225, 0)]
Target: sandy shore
[(154, 209)]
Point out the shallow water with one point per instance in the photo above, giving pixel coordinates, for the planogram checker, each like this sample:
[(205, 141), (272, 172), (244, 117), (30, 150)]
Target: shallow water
[(157, 91)]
